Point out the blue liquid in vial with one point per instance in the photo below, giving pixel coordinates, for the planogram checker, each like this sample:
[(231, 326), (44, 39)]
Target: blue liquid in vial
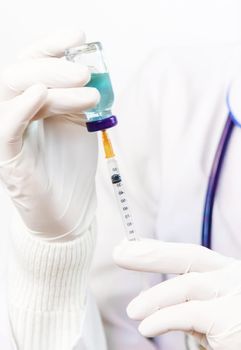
[(101, 81)]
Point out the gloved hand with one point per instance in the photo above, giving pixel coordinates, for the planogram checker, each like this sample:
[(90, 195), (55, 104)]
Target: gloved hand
[(47, 165), (205, 300), (47, 158)]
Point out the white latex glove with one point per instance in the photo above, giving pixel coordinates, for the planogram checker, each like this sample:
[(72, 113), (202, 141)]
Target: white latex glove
[(48, 165), (205, 300)]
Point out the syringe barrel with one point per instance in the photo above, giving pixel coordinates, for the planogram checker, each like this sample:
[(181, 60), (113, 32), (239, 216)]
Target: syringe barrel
[(122, 200)]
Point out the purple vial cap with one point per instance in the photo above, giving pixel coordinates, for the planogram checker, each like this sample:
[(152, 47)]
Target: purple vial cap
[(102, 124)]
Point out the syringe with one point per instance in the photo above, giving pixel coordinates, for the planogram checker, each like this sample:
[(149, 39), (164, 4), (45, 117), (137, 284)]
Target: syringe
[(119, 189), (122, 199)]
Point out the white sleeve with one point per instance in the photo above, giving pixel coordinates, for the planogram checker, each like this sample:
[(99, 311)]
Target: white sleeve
[(136, 142), (47, 289)]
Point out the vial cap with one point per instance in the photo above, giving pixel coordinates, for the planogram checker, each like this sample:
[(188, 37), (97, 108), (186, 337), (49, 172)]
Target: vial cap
[(102, 124)]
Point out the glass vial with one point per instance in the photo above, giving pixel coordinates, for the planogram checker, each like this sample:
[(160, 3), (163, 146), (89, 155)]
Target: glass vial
[(91, 55)]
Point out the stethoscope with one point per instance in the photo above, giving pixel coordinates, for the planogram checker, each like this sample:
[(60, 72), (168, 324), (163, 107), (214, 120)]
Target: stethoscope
[(213, 181), (216, 170)]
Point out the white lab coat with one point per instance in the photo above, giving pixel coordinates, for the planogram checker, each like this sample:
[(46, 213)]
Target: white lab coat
[(170, 121)]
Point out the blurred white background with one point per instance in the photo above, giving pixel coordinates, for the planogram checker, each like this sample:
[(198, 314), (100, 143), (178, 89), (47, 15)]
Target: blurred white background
[(128, 29)]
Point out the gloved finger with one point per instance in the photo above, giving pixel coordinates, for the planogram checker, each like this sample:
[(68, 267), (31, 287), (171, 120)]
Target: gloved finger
[(52, 72), (79, 119), (68, 101), (54, 45), (15, 116), (187, 317), (155, 256), (201, 339), (178, 290)]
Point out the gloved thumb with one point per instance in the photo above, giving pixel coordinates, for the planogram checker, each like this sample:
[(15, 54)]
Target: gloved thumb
[(156, 256), (15, 115)]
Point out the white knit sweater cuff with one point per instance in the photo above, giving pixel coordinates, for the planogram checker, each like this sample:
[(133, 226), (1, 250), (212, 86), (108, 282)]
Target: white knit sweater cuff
[(47, 289)]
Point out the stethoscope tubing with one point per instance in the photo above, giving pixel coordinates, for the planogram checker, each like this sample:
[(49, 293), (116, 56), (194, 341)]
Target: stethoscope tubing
[(214, 178)]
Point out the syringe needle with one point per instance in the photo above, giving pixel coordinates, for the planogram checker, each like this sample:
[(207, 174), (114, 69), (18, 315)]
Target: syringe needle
[(109, 152)]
